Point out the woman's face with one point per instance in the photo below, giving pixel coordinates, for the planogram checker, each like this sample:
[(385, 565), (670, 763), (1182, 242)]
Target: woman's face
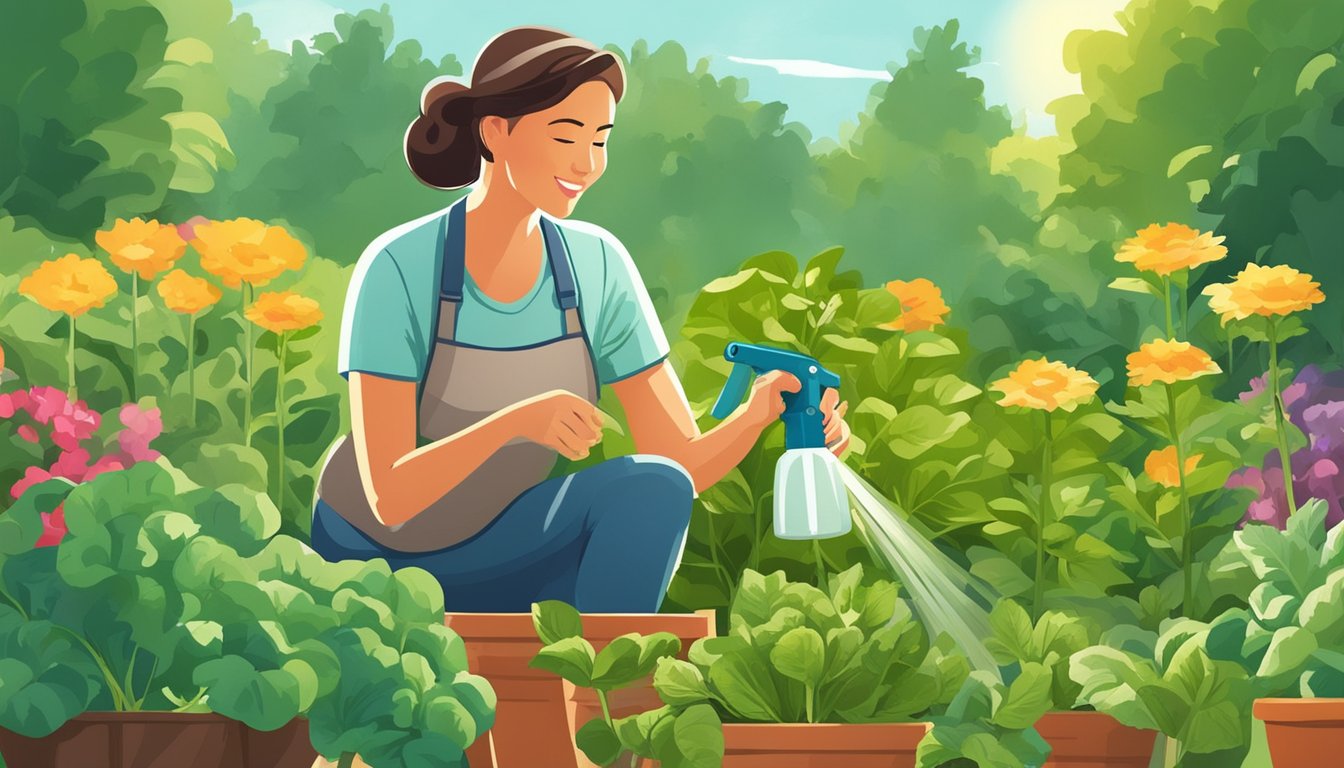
[(553, 156)]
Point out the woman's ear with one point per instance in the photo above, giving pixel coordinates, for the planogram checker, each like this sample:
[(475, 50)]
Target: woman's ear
[(491, 128)]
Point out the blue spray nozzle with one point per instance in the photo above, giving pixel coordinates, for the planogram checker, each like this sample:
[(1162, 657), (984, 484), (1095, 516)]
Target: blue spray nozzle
[(802, 415)]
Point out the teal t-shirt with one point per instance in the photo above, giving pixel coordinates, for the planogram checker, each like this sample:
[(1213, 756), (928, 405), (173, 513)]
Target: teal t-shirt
[(391, 302)]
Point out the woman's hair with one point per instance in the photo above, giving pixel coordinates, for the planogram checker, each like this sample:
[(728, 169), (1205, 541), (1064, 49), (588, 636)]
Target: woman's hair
[(520, 70)]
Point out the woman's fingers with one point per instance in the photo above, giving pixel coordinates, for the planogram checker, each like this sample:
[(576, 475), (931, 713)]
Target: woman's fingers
[(568, 443), (581, 427)]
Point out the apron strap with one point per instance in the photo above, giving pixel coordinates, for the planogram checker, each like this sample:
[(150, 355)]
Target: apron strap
[(454, 258)]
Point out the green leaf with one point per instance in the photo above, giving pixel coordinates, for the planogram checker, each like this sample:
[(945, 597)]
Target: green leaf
[(617, 664), (599, 742), (1135, 285), (1306, 79), (1288, 651), (1028, 698), (571, 658), (851, 343), (800, 655), (679, 682), (1012, 640), (698, 735), (555, 620), (1111, 679)]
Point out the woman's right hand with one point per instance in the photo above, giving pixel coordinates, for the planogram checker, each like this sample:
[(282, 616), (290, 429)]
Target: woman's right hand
[(765, 403), (561, 420)]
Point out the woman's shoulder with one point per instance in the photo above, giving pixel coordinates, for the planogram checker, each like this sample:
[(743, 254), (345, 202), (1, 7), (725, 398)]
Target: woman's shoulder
[(409, 247), (593, 246)]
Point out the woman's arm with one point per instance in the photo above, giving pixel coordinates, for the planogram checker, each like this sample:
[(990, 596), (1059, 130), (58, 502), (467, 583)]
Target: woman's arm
[(661, 421), (400, 479)]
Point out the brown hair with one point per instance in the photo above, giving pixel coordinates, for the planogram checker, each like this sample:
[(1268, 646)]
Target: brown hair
[(520, 70)]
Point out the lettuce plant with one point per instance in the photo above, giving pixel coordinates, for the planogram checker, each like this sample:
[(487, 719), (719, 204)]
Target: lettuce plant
[(1050, 642), (168, 596)]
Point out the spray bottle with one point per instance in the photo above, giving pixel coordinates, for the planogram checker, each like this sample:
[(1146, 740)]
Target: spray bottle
[(810, 497)]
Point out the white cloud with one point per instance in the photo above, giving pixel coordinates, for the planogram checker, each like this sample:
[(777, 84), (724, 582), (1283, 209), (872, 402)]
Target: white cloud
[(282, 21), (813, 68)]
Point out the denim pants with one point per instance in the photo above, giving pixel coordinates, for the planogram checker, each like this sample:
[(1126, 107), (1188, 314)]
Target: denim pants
[(605, 539)]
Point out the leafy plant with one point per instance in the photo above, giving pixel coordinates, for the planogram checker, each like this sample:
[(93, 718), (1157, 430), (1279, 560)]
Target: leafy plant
[(143, 606), (990, 721), (1050, 642), (624, 661), (1169, 683)]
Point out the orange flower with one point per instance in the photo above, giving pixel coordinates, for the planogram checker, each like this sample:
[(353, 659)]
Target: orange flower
[(1267, 291), (69, 284), (144, 247), (922, 305), (246, 251), (280, 311), (1161, 466), (1045, 385), (186, 294), (1171, 248), (1169, 361)]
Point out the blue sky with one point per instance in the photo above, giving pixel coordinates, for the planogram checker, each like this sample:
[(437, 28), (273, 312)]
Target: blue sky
[(783, 48)]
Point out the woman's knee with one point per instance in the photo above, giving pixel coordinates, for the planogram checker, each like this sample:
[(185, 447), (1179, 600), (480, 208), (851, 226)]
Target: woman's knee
[(647, 480)]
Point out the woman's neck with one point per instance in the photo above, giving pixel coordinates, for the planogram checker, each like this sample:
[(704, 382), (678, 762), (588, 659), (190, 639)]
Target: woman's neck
[(503, 246)]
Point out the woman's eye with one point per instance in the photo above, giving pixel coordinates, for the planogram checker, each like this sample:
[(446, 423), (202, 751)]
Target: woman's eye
[(599, 143), (565, 141)]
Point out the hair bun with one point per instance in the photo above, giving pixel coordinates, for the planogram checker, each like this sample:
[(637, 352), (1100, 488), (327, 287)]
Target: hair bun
[(442, 146)]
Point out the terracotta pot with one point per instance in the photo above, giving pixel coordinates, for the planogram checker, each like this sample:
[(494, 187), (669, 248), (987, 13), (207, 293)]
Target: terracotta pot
[(582, 704), (530, 727), (1302, 732), (160, 740), (820, 745), (1094, 740)]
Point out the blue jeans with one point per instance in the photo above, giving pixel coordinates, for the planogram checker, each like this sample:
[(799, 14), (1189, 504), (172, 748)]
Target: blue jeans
[(605, 539)]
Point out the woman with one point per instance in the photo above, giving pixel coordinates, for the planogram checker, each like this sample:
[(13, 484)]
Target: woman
[(475, 341)]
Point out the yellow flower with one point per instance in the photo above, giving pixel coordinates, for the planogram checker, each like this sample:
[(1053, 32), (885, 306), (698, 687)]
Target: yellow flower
[(186, 294), (1045, 385), (1161, 466), (922, 305), (1169, 361), (246, 251), (144, 247), (69, 284), (1267, 291), (1171, 248), (280, 311)]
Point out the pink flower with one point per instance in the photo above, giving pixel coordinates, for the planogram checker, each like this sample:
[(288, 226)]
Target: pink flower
[(31, 476), (53, 527), (72, 465), (107, 463), (27, 432), (187, 229)]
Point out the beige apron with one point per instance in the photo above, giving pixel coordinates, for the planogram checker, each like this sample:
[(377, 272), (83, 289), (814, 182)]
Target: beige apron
[(464, 384)]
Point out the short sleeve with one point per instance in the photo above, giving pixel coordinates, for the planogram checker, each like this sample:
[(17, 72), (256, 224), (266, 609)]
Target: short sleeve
[(630, 337), (378, 327)]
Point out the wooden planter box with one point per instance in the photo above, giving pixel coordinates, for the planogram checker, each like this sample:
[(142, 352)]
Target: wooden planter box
[(160, 740)]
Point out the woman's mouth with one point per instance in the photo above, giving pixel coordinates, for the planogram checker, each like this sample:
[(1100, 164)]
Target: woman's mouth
[(570, 189)]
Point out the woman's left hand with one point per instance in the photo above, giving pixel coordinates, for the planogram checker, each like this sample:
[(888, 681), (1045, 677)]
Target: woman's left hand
[(833, 421)]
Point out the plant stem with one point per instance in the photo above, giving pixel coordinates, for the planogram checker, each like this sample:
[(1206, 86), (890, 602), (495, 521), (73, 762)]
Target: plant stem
[(1187, 524), (714, 556), (810, 694), (821, 566), (280, 427), (606, 708), (189, 704), (1038, 588), (1185, 310), (119, 701), (1229, 353), (70, 389), (135, 331), (191, 365), (759, 533), (1285, 458), (247, 364), (1166, 303), (347, 760)]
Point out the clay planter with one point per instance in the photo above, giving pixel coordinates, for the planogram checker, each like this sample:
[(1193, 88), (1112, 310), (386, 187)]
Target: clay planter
[(1302, 732), (819, 745), (1094, 740), (582, 704), (160, 740)]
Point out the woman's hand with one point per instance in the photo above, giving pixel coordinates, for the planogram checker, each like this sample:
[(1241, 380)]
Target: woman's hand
[(765, 402), (833, 422), (561, 420)]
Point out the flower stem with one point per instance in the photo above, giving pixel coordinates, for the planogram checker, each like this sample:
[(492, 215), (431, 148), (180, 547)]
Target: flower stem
[(1166, 303), (70, 389), (280, 427), (1187, 524), (247, 366), (191, 365), (1038, 588), (1285, 458), (135, 332), (1185, 310), (821, 566)]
